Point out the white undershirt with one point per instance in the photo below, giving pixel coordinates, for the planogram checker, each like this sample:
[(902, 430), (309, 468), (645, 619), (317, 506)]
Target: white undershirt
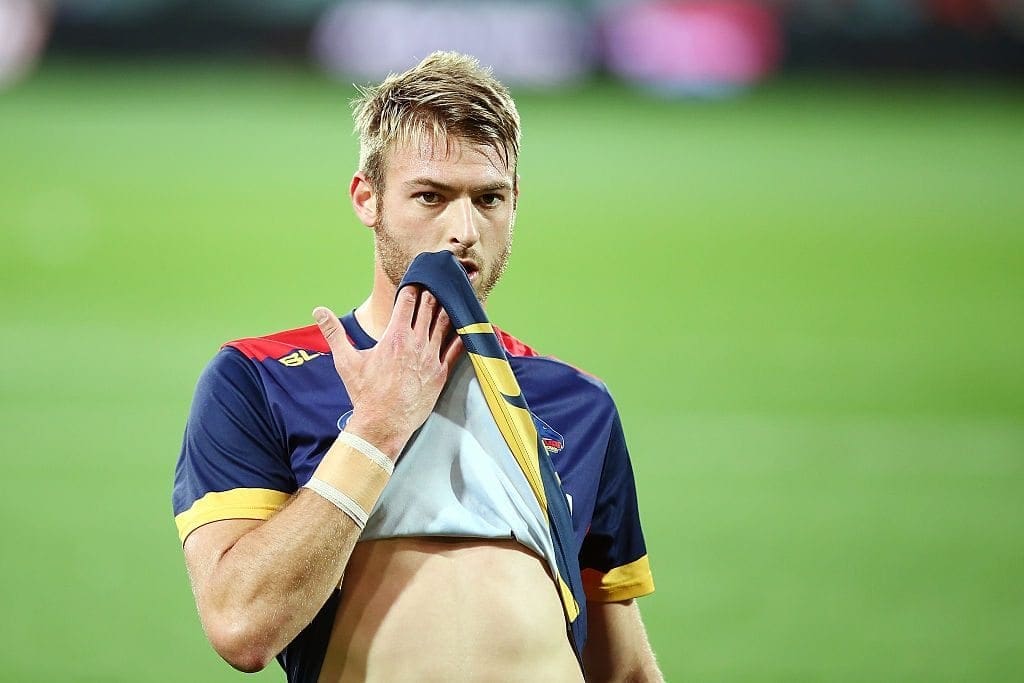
[(457, 477)]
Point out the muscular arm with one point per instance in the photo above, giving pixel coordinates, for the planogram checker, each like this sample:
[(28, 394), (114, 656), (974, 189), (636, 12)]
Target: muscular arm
[(617, 646), (258, 584)]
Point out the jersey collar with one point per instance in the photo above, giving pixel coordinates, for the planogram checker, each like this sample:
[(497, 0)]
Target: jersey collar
[(360, 339)]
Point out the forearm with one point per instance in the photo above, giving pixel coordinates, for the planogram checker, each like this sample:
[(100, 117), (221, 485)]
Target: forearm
[(638, 666), (617, 646), (260, 591)]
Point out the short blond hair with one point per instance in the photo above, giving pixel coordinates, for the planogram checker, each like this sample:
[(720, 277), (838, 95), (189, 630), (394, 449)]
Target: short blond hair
[(446, 96)]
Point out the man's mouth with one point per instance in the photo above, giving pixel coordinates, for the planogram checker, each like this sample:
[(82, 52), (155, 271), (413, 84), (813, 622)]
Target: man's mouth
[(471, 269)]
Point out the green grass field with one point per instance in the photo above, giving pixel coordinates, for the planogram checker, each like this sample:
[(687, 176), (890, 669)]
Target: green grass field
[(808, 302)]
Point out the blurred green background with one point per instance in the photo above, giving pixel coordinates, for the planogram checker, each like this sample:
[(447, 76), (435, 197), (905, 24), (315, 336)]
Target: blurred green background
[(808, 302)]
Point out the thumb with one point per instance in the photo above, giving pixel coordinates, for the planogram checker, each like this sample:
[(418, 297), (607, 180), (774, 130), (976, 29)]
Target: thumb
[(333, 332)]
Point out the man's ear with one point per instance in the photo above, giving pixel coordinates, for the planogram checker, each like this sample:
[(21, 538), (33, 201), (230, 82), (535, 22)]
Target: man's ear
[(364, 199)]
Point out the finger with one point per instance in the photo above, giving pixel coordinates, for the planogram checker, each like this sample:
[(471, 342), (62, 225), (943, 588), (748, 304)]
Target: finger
[(425, 316), (334, 334), (405, 309), (450, 354), (441, 323)]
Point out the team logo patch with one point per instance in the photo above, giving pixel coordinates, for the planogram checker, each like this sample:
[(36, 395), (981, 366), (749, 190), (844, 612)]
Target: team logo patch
[(343, 420), (552, 440)]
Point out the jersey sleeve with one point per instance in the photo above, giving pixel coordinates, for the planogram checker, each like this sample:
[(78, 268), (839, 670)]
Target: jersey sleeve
[(233, 462), (613, 557)]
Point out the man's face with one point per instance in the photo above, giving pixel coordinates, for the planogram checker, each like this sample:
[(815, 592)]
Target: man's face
[(461, 199)]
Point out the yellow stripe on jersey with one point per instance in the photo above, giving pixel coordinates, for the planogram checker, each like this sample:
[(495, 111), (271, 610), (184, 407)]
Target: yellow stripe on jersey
[(476, 328), (621, 583), (500, 371), (233, 504), (572, 608), (516, 425)]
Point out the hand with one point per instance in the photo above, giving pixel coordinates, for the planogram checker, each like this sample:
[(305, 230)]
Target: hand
[(394, 386)]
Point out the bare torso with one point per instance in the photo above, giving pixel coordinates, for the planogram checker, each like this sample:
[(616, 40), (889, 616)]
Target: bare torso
[(423, 609)]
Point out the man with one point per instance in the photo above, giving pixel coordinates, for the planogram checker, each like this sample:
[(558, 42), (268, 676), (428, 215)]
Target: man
[(454, 574)]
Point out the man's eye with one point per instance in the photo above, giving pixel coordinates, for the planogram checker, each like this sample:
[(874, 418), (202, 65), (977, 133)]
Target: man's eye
[(491, 199), (429, 198)]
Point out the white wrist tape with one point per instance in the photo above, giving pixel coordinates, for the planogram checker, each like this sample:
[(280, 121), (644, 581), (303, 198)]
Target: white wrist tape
[(340, 500), (369, 450)]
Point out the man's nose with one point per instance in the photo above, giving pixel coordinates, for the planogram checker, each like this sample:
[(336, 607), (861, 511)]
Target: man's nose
[(463, 229)]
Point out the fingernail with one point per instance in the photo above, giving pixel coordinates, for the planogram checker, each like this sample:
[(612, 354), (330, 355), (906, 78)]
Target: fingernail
[(320, 315)]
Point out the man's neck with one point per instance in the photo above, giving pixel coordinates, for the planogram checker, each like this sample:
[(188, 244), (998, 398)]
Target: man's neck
[(374, 314)]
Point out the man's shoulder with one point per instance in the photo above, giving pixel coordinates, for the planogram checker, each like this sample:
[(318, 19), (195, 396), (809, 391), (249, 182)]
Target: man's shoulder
[(300, 343), (553, 372), (514, 347)]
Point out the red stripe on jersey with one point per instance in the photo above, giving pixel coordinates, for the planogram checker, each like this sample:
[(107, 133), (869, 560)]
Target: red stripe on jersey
[(520, 349), (281, 344), (513, 346)]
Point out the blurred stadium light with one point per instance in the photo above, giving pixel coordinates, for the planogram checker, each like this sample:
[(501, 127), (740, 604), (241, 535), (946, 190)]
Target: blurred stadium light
[(527, 43), (705, 47), (24, 28)]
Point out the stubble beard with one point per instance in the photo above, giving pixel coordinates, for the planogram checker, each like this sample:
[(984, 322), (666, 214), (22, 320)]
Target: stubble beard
[(394, 259)]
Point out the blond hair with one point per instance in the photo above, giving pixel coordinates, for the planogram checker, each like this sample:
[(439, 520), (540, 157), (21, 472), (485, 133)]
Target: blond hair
[(446, 96)]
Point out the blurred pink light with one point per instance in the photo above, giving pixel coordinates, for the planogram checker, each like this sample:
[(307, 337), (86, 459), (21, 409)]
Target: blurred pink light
[(726, 43)]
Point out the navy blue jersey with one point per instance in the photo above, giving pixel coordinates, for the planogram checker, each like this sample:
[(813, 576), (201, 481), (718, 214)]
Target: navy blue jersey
[(267, 409)]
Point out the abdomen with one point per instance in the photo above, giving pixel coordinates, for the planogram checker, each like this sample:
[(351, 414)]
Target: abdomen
[(448, 609)]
